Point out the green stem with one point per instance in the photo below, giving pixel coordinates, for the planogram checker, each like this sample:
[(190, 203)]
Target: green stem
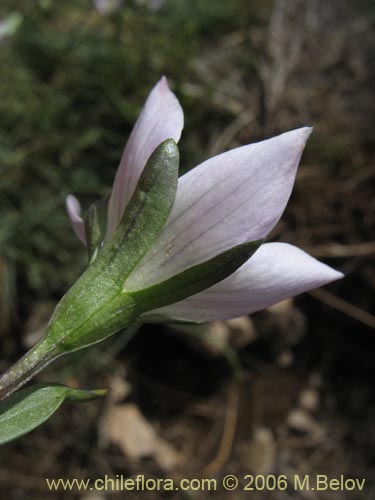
[(35, 360), (40, 356)]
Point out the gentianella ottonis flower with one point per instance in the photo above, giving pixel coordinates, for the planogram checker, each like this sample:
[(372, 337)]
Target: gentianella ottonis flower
[(189, 248), (226, 202)]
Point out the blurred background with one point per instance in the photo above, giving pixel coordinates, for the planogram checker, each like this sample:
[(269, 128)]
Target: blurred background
[(289, 390)]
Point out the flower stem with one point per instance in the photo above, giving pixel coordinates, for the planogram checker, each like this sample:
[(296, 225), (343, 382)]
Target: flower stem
[(40, 356), (35, 360)]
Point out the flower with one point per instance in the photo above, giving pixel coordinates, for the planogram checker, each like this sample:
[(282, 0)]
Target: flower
[(229, 200), (187, 249)]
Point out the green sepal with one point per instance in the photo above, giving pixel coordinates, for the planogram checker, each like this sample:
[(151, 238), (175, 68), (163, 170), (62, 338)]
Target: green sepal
[(95, 226), (25, 410), (146, 213), (194, 279), (96, 306)]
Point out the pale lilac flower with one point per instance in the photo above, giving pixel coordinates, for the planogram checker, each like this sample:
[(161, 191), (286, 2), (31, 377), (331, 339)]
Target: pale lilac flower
[(230, 199)]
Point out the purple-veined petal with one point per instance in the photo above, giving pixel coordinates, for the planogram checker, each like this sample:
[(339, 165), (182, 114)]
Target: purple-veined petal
[(73, 208), (230, 199), (161, 118), (275, 272)]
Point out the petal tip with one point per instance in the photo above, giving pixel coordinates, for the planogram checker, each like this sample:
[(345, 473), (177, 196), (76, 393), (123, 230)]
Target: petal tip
[(73, 206), (301, 134), (163, 84), (335, 275), (326, 274), (307, 131)]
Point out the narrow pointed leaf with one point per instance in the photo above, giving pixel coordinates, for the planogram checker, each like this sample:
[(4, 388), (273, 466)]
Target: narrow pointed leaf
[(27, 409), (195, 279)]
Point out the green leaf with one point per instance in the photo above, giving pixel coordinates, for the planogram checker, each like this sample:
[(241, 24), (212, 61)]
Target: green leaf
[(27, 409), (194, 279)]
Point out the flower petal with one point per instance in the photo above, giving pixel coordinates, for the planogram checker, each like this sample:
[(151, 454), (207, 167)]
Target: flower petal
[(73, 208), (161, 118), (276, 272), (229, 199)]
